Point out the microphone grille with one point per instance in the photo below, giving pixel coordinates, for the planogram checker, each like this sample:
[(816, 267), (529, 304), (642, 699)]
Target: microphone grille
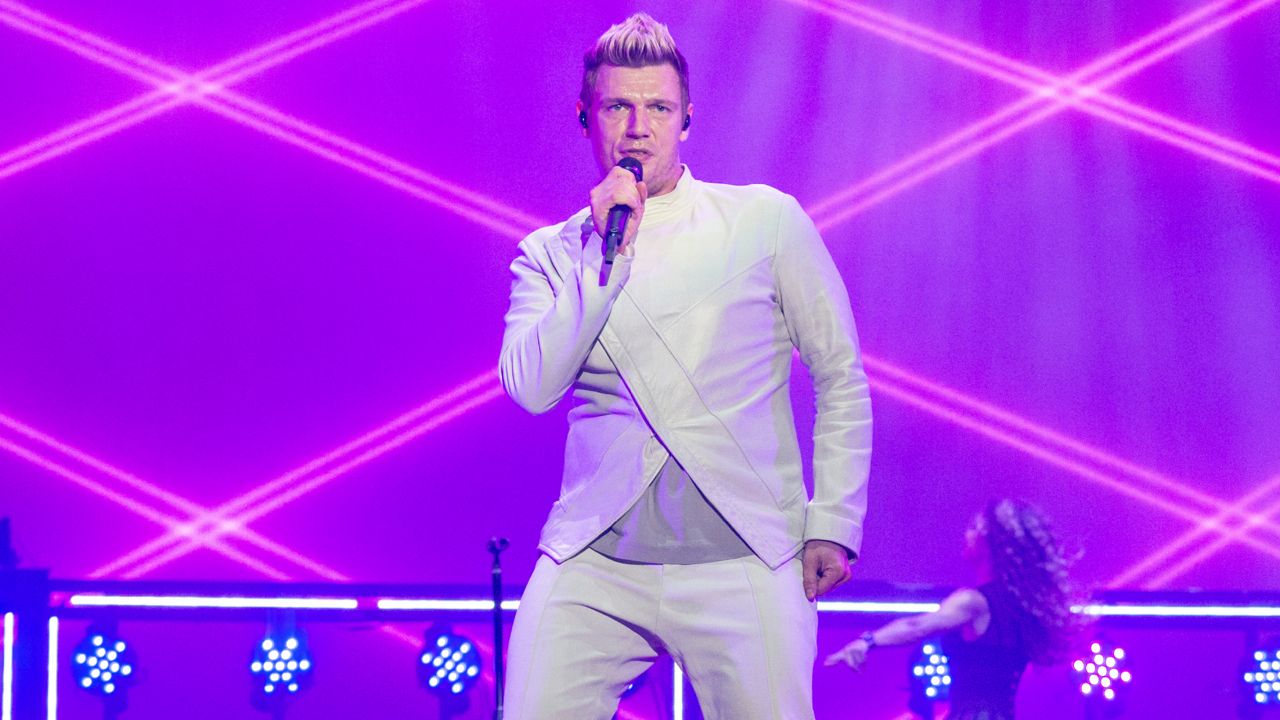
[(634, 166)]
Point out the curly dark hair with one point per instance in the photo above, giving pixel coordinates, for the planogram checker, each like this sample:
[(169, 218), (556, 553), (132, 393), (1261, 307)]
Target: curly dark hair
[(1029, 561)]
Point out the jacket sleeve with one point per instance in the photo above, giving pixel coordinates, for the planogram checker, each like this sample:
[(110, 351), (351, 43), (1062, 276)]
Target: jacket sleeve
[(815, 306), (553, 320)]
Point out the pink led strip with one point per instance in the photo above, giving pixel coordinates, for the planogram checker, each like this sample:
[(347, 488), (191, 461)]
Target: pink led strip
[(1051, 100), (209, 90), (1046, 86)]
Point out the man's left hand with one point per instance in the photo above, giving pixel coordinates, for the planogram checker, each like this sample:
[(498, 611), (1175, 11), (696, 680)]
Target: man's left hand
[(826, 567)]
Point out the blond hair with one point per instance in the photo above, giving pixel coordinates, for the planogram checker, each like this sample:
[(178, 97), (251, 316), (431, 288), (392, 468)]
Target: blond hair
[(638, 41)]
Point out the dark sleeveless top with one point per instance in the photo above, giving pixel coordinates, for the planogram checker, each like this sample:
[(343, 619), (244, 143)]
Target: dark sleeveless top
[(985, 672)]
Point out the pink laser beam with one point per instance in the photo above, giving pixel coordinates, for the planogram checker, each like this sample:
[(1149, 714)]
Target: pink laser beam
[(1214, 525), (136, 483), (484, 217), (1209, 550), (220, 515), (240, 67), (1047, 434), (145, 63), (1053, 458), (235, 69), (1015, 108), (138, 508), (1028, 77), (169, 498), (980, 128), (275, 502), (175, 526), (1207, 526), (88, 130), (1127, 106), (192, 88)]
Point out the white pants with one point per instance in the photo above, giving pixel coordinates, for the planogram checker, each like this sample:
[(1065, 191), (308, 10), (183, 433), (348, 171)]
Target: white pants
[(745, 636)]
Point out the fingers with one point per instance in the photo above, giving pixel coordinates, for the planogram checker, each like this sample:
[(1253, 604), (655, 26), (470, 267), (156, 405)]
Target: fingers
[(811, 564), (832, 576), (633, 222), (618, 187), (827, 579), (847, 656), (825, 567)]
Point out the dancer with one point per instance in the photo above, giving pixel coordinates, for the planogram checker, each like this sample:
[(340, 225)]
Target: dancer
[(1019, 612)]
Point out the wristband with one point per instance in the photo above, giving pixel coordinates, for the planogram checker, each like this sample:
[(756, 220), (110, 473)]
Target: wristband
[(869, 638)]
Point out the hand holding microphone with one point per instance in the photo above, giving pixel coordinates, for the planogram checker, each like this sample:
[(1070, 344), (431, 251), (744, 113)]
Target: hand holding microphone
[(613, 201)]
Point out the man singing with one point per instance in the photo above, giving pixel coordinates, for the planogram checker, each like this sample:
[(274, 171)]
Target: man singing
[(683, 524)]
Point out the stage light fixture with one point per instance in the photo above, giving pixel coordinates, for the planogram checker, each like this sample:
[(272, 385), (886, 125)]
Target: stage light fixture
[(449, 664), (1102, 673), (282, 664), (931, 673), (1262, 677), (103, 664)]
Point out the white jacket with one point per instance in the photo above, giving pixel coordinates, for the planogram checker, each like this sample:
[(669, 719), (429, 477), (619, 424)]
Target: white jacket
[(687, 349)]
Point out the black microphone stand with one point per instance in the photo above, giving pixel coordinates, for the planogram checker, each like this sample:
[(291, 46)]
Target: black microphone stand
[(496, 546)]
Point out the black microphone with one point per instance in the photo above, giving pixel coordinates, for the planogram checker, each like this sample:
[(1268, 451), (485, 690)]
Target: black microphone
[(618, 214)]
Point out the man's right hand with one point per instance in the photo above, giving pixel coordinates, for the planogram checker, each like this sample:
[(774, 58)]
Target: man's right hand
[(619, 187)]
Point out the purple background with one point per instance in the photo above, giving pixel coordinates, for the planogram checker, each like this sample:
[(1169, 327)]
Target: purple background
[(208, 308)]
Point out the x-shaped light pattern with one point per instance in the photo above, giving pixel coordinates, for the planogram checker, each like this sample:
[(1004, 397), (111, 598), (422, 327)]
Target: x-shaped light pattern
[(210, 89), (1078, 96), (1084, 89)]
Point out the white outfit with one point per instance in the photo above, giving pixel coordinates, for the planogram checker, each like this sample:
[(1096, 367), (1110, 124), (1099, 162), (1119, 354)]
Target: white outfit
[(685, 350), (745, 635)]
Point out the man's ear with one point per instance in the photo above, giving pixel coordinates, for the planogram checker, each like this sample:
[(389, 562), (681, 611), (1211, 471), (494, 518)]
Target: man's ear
[(688, 119), (582, 118)]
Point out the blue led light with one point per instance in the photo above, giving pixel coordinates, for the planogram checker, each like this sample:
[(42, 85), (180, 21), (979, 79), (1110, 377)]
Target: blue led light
[(449, 664), (931, 673), (103, 664), (1101, 674), (281, 662), (1262, 677)]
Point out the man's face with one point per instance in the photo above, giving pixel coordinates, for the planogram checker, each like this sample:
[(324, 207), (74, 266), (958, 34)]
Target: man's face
[(636, 112)]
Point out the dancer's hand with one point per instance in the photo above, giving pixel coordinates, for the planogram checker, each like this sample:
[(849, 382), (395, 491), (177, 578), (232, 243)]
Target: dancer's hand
[(854, 655)]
